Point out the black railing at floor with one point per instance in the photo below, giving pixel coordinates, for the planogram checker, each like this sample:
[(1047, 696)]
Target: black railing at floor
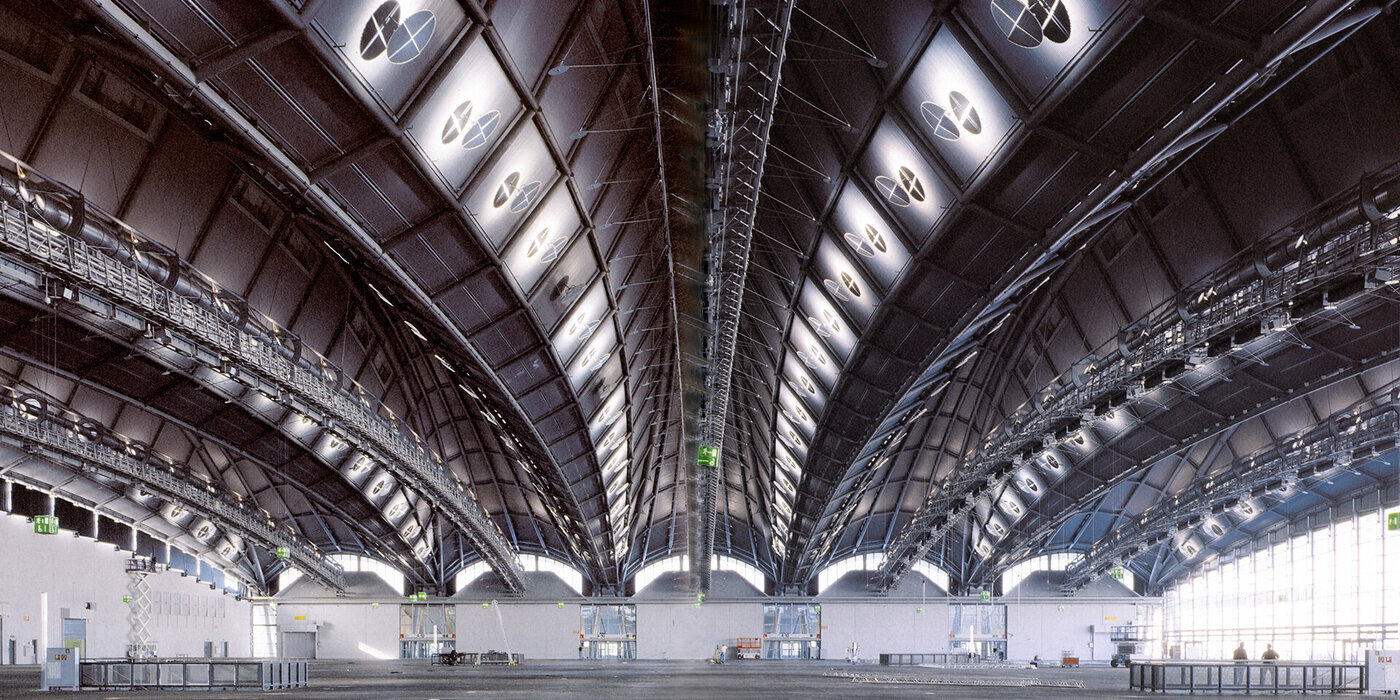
[(1247, 676), (193, 673), (929, 658)]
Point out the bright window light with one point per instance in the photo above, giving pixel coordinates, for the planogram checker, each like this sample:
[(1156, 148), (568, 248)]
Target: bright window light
[(1023, 570), (934, 574), (528, 562), (1311, 595), (654, 570), (748, 572), (859, 562)]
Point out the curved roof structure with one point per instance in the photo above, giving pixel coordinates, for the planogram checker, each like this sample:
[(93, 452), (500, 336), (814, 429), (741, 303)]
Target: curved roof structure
[(608, 281)]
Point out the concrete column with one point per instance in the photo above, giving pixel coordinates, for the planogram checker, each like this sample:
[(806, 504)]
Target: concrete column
[(43, 649)]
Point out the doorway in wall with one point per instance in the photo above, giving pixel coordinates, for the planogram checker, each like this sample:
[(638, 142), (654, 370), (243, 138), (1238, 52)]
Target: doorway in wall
[(426, 629), (607, 632), (607, 649), (792, 631), (298, 645), (978, 629), (980, 650)]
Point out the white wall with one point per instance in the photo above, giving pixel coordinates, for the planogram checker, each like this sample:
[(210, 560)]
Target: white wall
[(539, 630), (77, 571), (671, 627), (1048, 626), (884, 627), (679, 630), (355, 630)]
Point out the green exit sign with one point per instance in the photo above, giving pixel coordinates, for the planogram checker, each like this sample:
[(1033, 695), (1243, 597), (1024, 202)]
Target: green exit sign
[(46, 524), (1392, 520), (986, 595), (1117, 573), (126, 598), (284, 552), (709, 457)]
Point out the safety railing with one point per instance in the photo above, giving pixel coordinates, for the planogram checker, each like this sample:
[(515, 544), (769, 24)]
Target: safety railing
[(920, 659), (44, 433), (1247, 677), (193, 673), (313, 389), (1216, 317)]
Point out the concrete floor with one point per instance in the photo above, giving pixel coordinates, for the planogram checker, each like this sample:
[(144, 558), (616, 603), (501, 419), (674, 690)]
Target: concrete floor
[(395, 680)]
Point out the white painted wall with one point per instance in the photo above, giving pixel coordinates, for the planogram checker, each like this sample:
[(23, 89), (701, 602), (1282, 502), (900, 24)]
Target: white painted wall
[(670, 626), (345, 630), (884, 627), (679, 630), (77, 571), (1049, 626), (539, 630)]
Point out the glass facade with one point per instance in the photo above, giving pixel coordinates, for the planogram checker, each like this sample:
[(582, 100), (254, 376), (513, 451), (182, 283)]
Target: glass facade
[(792, 631), (426, 629), (608, 632), (1322, 594)]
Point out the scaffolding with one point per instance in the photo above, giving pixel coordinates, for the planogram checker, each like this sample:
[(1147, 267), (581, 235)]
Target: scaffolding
[(138, 616)]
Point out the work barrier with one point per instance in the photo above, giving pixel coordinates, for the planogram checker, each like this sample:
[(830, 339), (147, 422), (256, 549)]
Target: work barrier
[(1247, 676), (193, 673), (918, 659)]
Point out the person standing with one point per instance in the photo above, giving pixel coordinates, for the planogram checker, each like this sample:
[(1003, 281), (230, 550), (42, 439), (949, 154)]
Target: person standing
[(1241, 656), (1269, 675)]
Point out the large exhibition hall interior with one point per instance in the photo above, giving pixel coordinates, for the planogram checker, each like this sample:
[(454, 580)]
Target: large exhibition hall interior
[(688, 348)]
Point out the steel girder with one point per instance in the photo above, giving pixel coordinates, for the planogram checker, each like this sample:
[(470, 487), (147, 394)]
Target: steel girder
[(83, 446), (200, 330), (747, 68), (1224, 104), (1354, 433), (1294, 275)]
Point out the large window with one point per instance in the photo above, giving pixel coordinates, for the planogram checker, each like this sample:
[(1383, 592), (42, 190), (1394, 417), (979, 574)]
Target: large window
[(1022, 570), (748, 572), (426, 629), (528, 562), (350, 562), (654, 570), (1321, 594), (265, 630), (792, 631), (608, 632), (872, 562)]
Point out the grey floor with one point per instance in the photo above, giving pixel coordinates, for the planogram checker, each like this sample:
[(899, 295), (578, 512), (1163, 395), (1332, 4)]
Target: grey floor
[(392, 680)]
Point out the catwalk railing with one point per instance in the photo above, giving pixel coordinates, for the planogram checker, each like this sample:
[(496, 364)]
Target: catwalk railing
[(1321, 268), (118, 291), (79, 446)]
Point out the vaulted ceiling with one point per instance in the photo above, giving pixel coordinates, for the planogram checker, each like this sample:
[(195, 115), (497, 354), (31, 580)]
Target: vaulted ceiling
[(962, 282)]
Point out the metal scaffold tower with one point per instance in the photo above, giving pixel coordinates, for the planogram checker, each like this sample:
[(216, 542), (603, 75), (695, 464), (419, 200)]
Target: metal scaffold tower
[(138, 600)]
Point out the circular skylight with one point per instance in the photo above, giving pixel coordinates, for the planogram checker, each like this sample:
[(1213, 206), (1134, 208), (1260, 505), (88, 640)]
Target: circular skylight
[(480, 131), (949, 123), (544, 246), (869, 242), (401, 39), (457, 123), (902, 191), (1029, 22), (512, 192)]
